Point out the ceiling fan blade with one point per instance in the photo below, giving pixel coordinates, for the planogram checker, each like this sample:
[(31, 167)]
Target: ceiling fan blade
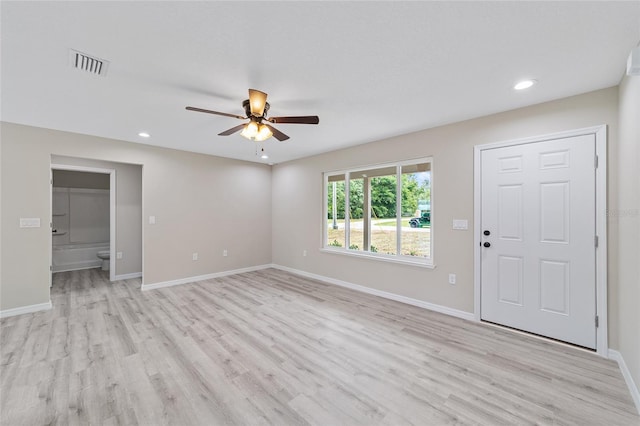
[(232, 130), (305, 119), (277, 133), (257, 101), (215, 112)]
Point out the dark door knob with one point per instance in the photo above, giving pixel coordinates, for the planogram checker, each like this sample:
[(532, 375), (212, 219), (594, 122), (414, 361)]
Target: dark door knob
[(487, 232), (487, 244)]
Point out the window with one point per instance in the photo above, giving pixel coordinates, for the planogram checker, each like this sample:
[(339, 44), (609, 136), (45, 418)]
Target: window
[(383, 211)]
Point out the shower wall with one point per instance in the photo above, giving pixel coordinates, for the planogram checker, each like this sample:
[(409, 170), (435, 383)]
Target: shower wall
[(80, 216)]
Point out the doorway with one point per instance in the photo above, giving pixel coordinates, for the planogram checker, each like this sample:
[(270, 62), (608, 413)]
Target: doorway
[(541, 236), (90, 204)]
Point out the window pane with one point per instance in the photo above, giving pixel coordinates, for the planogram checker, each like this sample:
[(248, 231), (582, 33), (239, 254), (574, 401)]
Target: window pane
[(375, 200), (416, 210), (356, 211), (383, 211), (335, 211)]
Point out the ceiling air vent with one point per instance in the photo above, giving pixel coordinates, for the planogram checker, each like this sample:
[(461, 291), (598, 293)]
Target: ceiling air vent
[(88, 63)]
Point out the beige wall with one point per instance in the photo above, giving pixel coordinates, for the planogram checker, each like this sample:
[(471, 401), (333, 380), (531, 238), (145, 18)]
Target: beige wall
[(128, 205), (297, 199), (627, 216), (202, 204)]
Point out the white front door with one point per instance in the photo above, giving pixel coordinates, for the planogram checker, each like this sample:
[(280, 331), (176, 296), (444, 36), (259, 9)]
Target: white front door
[(538, 261)]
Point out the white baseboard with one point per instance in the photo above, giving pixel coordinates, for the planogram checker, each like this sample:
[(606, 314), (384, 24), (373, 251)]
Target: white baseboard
[(128, 276), (25, 309), (188, 280), (392, 296), (633, 388)]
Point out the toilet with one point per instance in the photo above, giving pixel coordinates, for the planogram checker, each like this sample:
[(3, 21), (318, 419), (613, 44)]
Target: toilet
[(104, 255)]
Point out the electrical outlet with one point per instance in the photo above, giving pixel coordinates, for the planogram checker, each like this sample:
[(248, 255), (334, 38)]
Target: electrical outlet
[(225, 253), (119, 255), (304, 252), (194, 256), (452, 278)]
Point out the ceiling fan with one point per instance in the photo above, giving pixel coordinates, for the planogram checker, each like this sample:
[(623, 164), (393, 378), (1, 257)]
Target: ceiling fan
[(257, 129)]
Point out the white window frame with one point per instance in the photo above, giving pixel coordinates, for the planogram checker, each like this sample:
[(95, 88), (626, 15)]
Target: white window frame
[(395, 258)]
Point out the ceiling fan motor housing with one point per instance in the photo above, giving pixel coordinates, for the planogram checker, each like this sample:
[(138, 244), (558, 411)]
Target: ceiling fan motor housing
[(247, 108)]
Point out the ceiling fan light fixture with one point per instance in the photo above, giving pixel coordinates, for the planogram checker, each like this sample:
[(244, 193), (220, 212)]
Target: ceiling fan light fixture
[(264, 133), (258, 100), (256, 132), (250, 131)]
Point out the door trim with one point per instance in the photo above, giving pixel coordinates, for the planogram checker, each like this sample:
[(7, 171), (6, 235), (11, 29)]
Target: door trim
[(600, 133)]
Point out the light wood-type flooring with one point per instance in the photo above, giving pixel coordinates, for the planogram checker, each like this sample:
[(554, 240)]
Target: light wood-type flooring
[(269, 347)]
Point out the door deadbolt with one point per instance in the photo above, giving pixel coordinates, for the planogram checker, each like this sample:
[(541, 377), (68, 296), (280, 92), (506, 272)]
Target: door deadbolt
[(487, 232)]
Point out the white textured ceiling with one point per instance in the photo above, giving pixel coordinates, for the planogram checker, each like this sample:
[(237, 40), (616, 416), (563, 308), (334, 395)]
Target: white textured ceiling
[(369, 70)]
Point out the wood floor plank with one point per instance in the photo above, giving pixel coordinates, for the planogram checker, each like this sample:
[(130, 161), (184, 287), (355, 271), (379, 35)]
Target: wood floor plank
[(269, 347)]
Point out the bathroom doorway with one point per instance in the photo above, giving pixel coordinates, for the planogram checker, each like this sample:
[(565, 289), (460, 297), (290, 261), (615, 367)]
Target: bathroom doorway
[(83, 218)]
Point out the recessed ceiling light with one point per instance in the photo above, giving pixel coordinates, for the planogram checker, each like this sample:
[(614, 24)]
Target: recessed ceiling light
[(524, 84), (144, 134)]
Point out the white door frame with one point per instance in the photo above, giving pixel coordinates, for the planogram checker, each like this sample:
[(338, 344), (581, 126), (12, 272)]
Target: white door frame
[(112, 212), (600, 133)]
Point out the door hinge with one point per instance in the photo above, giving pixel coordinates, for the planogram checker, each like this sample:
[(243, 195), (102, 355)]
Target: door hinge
[(51, 267), (51, 225), (596, 162), (597, 321), (595, 241)]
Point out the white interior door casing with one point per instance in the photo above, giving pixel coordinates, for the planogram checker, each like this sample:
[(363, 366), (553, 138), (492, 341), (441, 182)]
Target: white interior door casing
[(538, 204)]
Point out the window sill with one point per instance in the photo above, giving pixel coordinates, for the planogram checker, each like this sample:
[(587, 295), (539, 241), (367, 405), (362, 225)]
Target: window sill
[(422, 263)]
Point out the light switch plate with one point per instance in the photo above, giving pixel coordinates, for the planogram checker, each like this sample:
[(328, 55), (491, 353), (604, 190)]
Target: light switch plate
[(152, 220), (29, 222), (460, 224)]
